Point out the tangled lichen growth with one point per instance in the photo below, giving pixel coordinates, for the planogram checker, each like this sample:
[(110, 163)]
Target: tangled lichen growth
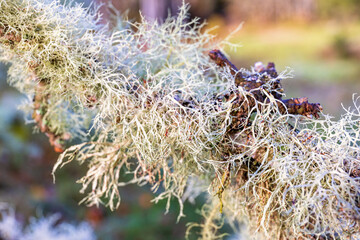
[(146, 100)]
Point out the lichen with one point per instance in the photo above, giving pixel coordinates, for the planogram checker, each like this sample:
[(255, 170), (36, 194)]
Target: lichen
[(145, 100)]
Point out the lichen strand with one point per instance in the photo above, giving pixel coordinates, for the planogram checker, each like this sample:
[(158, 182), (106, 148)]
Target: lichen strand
[(162, 111), (39, 34)]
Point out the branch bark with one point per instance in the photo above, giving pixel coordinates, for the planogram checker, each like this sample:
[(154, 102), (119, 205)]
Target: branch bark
[(252, 82)]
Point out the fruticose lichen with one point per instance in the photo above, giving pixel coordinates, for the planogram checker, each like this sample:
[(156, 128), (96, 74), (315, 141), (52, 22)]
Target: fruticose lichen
[(145, 99)]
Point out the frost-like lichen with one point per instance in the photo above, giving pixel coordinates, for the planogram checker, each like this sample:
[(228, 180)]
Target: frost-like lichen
[(49, 227), (145, 99)]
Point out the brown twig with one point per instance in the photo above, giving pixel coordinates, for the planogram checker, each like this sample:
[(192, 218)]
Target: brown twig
[(222, 61), (253, 82), (40, 108)]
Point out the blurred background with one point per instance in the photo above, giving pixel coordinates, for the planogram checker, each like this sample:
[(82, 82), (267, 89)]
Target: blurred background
[(318, 39)]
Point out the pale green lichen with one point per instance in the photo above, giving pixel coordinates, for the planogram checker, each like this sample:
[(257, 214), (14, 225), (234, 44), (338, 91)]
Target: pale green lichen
[(123, 93)]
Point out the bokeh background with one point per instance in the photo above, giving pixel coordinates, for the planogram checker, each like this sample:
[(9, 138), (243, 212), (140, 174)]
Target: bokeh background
[(318, 39)]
